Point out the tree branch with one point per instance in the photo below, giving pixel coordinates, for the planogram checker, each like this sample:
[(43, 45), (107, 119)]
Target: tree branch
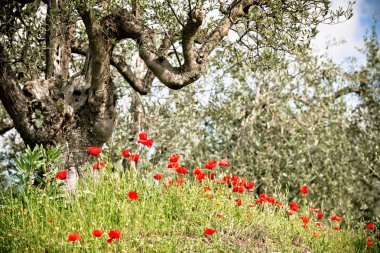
[(13, 99), (188, 36)]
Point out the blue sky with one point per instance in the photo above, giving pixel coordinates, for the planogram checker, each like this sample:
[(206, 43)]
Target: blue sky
[(351, 31)]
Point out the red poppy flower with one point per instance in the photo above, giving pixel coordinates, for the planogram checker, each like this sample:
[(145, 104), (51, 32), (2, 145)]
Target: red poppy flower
[(293, 206), (219, 215), (197, 171), (125, 153), (238, 202), (73, 237), (224, 163), (143, 139), (249, 185), (143, 136), (181, 170), (99, 165), (239, 189), (271, 200), (369, 243), (206, 188), (336, 218), (97, 232), (370, 226), (280, 205), (133, 195), (320, 215), (210, 165), (169, 183), (61, 175), (318, 224), (173, 165), (336, 228), (179, 181), (211, 176), (148, 143), (115, 234), (305, 219), (209, 231), (304, 189), (314, 233), (51, 220), (157, 176), (174, 158), (95, 151), (134, 157), (200, 177)]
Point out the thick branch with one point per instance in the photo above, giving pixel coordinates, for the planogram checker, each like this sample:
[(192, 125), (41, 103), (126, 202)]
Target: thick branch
[(188, 36), (13, 99), (237, 8)]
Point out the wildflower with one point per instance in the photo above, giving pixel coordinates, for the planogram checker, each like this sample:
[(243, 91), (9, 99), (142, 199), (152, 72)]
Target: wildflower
[(305, 219), (206, 188), (51, 220), (224, 163), (157, 177), (197, 171), (293, 206), (61, 175), (174, 158), (210, 165), (270, 200), (200, 177), (219, 215), (320, 215), (249, 185), (179, 181), (181, 170), (314, 233), (134, 157), (99, 165), (304, 189), (97, 232), (169, 183), (370, 226), (318, 224), (239, 189), (211, 176), (173, 165), (336, 218), (95, 151), (238, 202), (114, 234), (336, 228), (280, 205), (125, 153), (10, 233), (73, 237), (369, 243), (133, 195), (209, 231), (143, 139), (368, 238)]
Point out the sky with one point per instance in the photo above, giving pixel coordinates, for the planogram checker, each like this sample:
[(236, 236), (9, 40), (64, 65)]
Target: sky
[(351, 31)]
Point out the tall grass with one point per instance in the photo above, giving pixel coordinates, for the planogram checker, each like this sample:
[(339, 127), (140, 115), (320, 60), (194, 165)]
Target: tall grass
[(163, 219)]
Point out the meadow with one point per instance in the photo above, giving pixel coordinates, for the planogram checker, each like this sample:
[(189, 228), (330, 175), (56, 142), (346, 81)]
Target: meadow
[(172, 209)]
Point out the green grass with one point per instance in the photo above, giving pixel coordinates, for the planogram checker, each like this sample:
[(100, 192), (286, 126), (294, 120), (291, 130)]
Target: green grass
[(163, 219)]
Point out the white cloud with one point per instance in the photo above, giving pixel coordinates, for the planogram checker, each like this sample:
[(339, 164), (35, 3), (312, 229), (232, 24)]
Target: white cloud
[(351, 32)]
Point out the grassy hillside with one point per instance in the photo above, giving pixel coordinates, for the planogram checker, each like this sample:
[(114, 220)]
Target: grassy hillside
[(180, 212)]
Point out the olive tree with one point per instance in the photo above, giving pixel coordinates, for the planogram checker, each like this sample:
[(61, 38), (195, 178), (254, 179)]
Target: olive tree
[(58, 59)]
